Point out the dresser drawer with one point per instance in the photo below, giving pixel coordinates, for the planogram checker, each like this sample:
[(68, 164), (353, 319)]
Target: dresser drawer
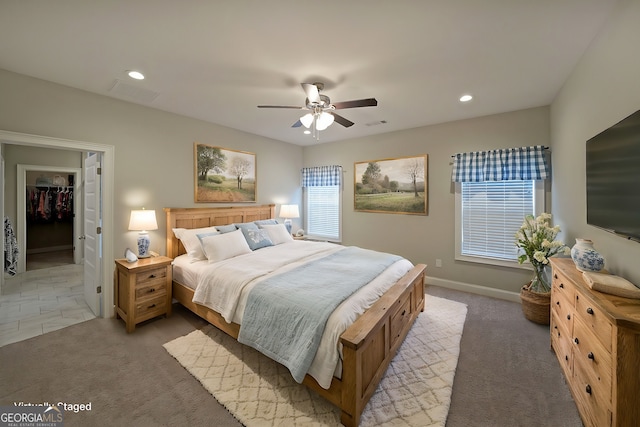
[(560, 341), (595, 320), (593, 358), (563, 309), (562, 288), (152, 275), (593, 401), (152, 289)]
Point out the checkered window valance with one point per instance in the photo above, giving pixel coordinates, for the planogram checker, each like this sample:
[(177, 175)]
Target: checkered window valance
[(321, 176), (511, 164)]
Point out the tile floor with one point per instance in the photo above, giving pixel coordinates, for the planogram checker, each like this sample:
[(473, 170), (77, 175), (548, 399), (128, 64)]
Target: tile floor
[(40, 301)]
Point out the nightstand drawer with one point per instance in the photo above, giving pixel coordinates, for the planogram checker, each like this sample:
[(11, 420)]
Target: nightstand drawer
[(151, 290), (150, 308), (148, 276)]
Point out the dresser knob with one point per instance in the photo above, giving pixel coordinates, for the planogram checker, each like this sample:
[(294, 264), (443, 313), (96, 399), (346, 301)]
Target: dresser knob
[(589, 310), (562, 285), (576, 340), (591, 356), (588, 389), (152, 290), (152, 276), (558, 302), (151, 306), (555, 276), (568, 317)]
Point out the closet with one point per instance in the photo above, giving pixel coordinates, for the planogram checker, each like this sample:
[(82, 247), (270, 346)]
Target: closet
[(49, 212)]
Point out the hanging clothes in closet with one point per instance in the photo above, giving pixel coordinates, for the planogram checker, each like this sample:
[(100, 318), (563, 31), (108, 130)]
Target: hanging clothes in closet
[(49, 204)]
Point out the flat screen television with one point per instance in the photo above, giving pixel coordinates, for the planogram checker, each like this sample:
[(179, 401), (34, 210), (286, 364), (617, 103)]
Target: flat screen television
[(613, 178)]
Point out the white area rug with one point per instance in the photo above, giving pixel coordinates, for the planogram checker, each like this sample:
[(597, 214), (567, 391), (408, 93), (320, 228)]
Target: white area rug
[(415, 391)]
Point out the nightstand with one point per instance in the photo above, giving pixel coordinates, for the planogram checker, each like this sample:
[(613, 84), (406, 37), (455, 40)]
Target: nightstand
[(142, 289)]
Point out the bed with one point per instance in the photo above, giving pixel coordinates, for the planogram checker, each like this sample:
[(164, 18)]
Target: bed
[(367, 346)]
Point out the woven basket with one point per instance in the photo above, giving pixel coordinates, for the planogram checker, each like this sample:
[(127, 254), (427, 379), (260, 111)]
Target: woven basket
[(536, 306)]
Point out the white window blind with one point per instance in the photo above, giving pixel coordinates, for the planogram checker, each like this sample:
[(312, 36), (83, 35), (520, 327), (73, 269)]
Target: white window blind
[(490, 214), (322, 213)]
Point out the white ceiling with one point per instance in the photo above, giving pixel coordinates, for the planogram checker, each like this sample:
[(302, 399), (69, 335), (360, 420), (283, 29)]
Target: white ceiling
[(217, 60)]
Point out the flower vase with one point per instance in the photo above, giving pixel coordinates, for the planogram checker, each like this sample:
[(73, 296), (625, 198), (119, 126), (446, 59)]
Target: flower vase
[(585, 257)]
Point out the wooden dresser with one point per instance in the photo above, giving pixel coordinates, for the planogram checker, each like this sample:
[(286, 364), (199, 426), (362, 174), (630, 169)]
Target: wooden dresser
[(596, 338)]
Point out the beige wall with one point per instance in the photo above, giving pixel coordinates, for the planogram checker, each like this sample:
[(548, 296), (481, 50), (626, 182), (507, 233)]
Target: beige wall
[(423, 239), (603, 89), (153, 149)]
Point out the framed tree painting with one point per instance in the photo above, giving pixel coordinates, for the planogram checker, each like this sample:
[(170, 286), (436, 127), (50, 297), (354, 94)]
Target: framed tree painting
[(223, 175), (396, 186)]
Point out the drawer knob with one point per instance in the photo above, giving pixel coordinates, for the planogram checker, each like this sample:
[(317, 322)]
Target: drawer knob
[(151, 306), (152, 276), (561, 285), (591, 356), (151, 290), (568, 317), (576, 340), (403, 312), (555, 276), (558, 302), (589, 310), (588, 389)]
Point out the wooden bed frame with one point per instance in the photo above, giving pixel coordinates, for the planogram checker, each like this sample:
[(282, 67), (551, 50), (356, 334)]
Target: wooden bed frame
[(369, 344)]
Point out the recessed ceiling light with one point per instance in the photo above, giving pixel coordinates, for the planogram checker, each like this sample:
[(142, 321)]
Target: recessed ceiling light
[(466, 98), (135, 75)]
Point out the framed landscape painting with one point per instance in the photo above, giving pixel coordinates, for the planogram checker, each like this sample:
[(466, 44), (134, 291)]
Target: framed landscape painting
[(223, 175), (396, 186)]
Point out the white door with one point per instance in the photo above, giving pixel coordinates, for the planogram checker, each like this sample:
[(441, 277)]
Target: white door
[(92, 233)]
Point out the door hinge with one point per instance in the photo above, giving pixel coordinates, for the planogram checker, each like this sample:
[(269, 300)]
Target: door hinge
[(99, 172), (99, 290), (99, 230)]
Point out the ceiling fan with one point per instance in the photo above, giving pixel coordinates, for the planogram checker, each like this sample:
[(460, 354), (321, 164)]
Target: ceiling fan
[(321, 111)]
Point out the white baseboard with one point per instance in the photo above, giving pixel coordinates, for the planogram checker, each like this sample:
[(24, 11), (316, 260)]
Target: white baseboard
[(473, 289)]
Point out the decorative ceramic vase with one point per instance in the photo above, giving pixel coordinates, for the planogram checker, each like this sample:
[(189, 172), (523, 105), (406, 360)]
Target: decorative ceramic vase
[(585, 257)]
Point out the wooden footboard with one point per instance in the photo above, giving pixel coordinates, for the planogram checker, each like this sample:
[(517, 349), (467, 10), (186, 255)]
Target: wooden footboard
[(369, 344)]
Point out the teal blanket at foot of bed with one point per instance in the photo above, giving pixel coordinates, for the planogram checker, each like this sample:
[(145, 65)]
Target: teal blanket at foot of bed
[(285, 315)]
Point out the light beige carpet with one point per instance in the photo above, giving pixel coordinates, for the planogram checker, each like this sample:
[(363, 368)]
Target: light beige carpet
[(415, 391)]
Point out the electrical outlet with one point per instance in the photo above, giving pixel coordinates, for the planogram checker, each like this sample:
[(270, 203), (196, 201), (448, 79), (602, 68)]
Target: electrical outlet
[(438, 263)]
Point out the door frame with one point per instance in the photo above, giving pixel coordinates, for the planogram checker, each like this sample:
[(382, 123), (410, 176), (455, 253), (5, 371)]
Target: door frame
[(107, 197), (21, 209)]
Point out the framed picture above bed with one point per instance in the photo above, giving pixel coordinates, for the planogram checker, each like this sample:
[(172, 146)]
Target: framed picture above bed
[(397, 186), (223, 175)]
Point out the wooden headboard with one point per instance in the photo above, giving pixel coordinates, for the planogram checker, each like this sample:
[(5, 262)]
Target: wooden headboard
[(207, 217)]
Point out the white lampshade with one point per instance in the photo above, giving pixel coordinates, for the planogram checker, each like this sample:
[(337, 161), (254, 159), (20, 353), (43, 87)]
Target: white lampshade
[(306, 120), (143, 220), (289, 211), (324, 121)]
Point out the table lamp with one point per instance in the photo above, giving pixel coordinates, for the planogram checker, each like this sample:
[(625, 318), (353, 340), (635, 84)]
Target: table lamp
[(143, 221), (287, 212)]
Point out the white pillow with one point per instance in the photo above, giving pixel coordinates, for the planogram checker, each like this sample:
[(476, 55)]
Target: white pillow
[(278, 233), (219, 247), (190, 241)]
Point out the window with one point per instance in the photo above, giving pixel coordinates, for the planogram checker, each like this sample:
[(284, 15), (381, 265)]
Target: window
[(323, 202), (488, 215), (495, 190), (323, 209)]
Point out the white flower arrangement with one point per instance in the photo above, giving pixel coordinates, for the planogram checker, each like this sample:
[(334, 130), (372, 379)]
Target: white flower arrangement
[(537, 239)]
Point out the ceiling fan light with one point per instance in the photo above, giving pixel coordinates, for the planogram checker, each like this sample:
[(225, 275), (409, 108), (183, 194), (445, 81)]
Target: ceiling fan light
[(324, 121), (306, 120)]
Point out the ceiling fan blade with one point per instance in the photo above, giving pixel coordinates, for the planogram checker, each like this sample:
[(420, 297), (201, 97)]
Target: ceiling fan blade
[(297, 124), (312, 92), (341, 120), (369, 102), (280, 106)]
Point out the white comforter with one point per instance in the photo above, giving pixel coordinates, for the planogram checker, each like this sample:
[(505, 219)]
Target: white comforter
[(224, 287)]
